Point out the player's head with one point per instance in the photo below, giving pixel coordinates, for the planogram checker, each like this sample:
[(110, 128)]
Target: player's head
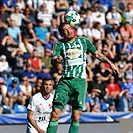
[(66, 31), (47, 85)]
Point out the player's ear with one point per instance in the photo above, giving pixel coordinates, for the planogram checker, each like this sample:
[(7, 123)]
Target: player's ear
[(61, 34)]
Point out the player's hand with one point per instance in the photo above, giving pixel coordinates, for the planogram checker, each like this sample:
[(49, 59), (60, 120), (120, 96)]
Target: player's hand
[(59, 59), (115, 69), (55, 60)]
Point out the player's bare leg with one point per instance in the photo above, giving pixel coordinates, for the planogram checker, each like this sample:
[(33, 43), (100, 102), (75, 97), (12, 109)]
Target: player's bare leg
[(53, 125)]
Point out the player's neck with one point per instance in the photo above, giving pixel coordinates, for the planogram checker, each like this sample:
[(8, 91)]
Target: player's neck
[(45, 95), (71, 40)]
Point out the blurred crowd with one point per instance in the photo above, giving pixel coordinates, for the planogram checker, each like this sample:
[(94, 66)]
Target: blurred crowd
[(28, 31)]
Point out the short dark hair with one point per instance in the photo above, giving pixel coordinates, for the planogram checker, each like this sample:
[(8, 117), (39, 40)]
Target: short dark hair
[(60, 28), (47, 79)]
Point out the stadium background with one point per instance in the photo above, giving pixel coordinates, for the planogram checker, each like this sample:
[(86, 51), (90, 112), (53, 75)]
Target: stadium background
[(122, 124)]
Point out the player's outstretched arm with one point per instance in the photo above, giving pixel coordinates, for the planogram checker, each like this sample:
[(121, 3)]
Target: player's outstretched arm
[(103, 58)]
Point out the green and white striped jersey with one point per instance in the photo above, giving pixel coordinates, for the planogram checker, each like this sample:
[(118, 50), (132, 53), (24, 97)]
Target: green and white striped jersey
[(74, 56)]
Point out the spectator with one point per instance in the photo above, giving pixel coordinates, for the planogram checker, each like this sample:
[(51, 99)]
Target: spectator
[(84, 31), (37, 87), (15, 94), (128, 69), (116, 102), (50, 4), (111, 107), (39, 48), (130, 58), (127, 16), (98, 16), (4, 100), (26, 89), (35, 62), (42, 32), (106, 5), (62, 5), (30, 74), (126, 46), (4, 16), (45, 73), (98, 32), (113, 16), (3, 28), (89, 19), (104, 71), (122, 62), (18, 17), (126, 32), (15, 33), (107, 49), (127, 100), (114, 33), (29, 15), (21, 4), (44, 15), (54, 29), (93, 101), (74, 6), (112, 47), (100, 85), (4, 67), (128, 84), (9, 5), (29, 37), (113, 87), (47, 56), (17, 68), (7, 48), (34, 5)]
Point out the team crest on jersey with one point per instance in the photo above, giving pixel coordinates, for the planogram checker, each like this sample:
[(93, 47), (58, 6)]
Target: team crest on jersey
[(73, 53), (50, 106)]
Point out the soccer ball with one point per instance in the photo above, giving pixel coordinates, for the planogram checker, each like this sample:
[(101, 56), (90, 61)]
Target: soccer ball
[(72, 18)]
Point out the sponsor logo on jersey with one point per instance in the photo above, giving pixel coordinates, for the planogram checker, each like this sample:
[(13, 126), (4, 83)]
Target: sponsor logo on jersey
[(73, 53)]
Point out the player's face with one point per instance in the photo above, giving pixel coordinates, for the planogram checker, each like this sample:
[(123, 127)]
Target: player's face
[(48, 86), (68, 33)]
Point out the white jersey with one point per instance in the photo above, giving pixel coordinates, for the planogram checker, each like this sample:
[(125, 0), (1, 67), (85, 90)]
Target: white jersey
[(42, 108)]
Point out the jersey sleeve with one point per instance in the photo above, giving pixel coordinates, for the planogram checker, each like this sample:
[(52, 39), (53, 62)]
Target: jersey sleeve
[(57, 49), (31, 105), (90, 46)]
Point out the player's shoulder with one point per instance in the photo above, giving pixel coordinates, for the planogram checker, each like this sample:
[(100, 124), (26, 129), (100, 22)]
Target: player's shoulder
[(59, 42), (51, 95), (36, 96)]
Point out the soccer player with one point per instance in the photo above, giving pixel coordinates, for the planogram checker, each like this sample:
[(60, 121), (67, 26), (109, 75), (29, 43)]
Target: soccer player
[(71, 51), (39, 108)]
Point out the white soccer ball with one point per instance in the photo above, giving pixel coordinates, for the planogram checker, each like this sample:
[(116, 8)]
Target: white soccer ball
[(73, 18)]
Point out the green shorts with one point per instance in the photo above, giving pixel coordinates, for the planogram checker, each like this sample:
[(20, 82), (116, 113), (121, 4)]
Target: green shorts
[(72, 90)]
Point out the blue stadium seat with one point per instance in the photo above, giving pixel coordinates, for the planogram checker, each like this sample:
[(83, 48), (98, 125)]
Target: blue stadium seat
[(104, 106), (6, 109), (20, 109)]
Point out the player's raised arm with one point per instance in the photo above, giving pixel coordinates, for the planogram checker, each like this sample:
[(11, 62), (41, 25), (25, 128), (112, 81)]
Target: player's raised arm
[(103, 58)]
